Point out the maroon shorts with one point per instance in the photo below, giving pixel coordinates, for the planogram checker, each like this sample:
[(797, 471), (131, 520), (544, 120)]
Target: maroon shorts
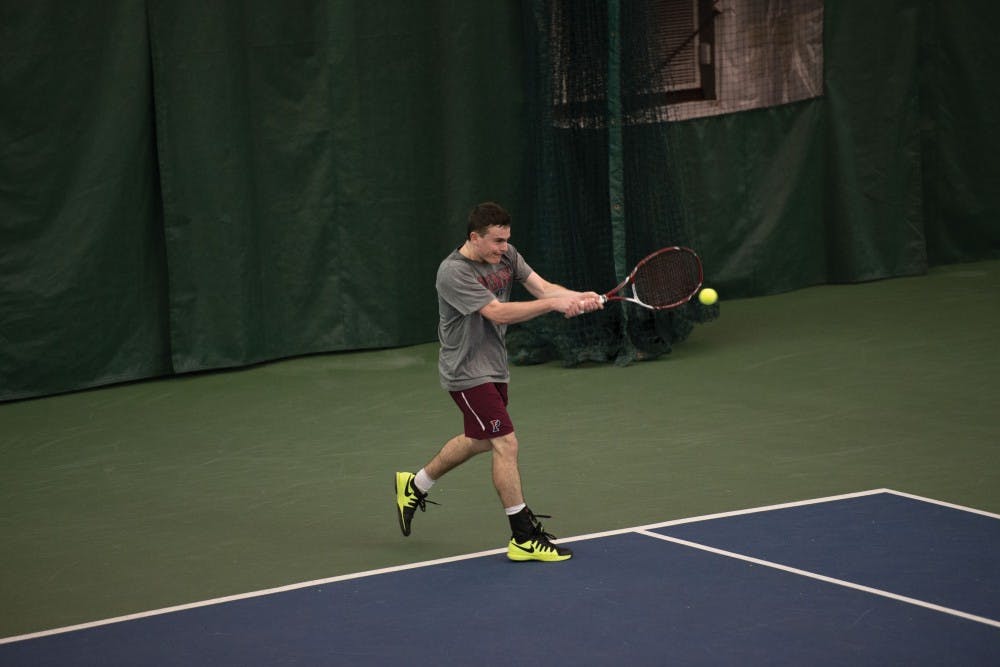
[(485, 410)]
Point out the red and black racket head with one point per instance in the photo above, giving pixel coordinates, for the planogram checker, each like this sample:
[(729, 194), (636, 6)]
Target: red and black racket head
[(667, 278)]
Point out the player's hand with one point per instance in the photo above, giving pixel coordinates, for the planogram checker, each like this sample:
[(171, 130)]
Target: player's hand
[(590, 301), (579, 303)]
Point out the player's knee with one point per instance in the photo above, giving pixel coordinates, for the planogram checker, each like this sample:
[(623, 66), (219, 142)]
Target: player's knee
[(505, 445)]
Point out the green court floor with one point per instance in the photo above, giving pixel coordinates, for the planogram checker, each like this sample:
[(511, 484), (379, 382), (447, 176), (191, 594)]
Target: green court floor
[(152, 494)]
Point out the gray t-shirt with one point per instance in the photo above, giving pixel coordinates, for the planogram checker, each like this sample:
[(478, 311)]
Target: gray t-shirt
[(473, 351)]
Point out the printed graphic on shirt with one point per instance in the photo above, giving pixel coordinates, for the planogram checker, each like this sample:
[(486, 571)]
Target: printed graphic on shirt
[(498, 281)]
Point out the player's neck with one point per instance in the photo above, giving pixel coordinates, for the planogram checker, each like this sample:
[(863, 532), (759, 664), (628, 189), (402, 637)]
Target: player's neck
[(468, 253)]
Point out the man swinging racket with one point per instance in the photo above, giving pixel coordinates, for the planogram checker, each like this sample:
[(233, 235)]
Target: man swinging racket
[(474, 285)]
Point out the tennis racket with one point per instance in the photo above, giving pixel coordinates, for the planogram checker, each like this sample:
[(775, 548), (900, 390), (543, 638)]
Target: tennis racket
[(667, 278)]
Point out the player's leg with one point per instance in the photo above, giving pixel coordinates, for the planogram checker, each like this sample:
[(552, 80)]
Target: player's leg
[(528, 540), (455, 452), (487, 426), (506, 474), (411, 489)]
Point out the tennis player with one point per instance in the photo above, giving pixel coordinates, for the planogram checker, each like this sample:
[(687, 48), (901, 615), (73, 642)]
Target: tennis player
[(474, 286)]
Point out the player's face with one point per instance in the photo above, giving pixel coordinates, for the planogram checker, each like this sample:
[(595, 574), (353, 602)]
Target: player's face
[(491, 246)]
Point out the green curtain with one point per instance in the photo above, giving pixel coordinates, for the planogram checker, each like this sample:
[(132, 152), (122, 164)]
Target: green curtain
[(316, 160), (961, 130), (886, 174), (825, 190), (82, 272), (188, 186), (874, 203), (755, 189)]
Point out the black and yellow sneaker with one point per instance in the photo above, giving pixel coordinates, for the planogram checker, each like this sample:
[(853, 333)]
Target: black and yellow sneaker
[(531, 542), (408, 499)]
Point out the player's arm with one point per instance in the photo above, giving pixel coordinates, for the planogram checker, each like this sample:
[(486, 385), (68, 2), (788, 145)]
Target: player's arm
[(513, 312), (543, 289), (549, 297)]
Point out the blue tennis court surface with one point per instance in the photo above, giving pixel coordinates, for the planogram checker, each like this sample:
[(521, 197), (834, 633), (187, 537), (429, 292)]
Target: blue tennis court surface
[(875, 578)]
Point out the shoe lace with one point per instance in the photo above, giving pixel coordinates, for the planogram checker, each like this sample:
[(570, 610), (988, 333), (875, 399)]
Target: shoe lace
[(421, 501), (538, 533)]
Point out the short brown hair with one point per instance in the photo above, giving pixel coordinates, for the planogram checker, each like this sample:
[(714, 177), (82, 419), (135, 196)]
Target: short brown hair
[(486, 215)]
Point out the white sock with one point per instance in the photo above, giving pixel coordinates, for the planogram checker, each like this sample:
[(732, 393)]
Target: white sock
[(511, 511), (423, 481)]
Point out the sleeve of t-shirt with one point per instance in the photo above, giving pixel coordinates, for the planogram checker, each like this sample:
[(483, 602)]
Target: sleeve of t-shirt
[(520, 267), (457, 284)]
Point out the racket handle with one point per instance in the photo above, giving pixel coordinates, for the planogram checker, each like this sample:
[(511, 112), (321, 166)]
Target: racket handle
[(604, 299)]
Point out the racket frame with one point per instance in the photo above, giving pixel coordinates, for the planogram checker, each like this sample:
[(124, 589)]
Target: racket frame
[(630, 281)]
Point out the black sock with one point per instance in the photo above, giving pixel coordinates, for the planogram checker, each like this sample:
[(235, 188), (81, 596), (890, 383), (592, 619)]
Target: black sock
[(522, 524)]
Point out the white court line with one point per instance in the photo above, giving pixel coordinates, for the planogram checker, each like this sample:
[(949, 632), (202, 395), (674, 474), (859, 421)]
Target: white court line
[(429, 563), (943, 503), (723, 515), (245, 596), (824, 578)]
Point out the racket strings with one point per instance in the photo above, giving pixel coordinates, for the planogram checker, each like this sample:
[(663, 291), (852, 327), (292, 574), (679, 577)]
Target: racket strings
[(668, 278)]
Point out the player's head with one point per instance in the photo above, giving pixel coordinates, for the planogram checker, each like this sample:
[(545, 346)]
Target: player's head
[(486, 215), (489, 229)]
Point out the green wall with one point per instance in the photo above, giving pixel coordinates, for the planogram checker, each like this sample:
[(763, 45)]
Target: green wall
[(886, 174), (188, 186)]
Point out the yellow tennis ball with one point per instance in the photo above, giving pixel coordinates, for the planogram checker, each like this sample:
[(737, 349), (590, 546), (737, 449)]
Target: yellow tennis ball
[(708, 296)]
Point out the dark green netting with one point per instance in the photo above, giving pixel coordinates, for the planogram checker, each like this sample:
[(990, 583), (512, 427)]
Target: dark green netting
[(599, 199)]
